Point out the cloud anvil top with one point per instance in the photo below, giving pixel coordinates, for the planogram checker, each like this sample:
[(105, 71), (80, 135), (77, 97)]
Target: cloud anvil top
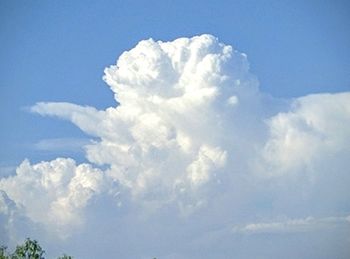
[(192, 142)]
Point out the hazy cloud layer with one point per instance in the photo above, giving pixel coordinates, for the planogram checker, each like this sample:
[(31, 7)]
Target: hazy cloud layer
[(191, 149)]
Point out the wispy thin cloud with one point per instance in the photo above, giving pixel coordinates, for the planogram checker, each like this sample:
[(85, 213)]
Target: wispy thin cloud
[(62, 144), (293, 225)]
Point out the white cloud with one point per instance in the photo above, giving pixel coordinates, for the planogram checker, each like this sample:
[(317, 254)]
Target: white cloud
[(308, 224), (191, 144), (169, 128), (60, 188), (61, 144), (315, 129)]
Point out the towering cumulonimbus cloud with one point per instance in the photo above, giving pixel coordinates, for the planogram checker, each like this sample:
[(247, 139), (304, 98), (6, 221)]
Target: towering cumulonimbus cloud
[(169, 134), (191, 132)]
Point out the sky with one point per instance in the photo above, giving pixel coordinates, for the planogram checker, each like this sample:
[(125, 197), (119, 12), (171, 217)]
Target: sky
[(176, 129)]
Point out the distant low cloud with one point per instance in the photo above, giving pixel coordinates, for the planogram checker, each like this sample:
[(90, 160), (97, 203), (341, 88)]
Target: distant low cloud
[(192, 146), (294, 225)]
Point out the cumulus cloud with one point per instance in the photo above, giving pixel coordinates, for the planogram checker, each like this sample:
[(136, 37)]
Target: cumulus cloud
[(60, 188), (169, 132), (311, 131), (191, 146)]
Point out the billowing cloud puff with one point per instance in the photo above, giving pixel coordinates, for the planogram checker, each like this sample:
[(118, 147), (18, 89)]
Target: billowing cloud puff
[(59, 188), (191, 145), (313, 129)]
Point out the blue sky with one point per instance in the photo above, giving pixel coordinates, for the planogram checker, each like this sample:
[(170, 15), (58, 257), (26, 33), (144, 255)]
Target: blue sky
[(273, 167)]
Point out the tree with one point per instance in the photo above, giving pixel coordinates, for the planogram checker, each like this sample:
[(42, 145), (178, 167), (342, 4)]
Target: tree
[(64, 257), (3, 252), (29, 250)]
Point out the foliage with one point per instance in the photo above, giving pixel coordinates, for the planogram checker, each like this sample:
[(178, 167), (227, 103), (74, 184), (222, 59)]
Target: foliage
[(64, 257), (29, 250), (3, 252)]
